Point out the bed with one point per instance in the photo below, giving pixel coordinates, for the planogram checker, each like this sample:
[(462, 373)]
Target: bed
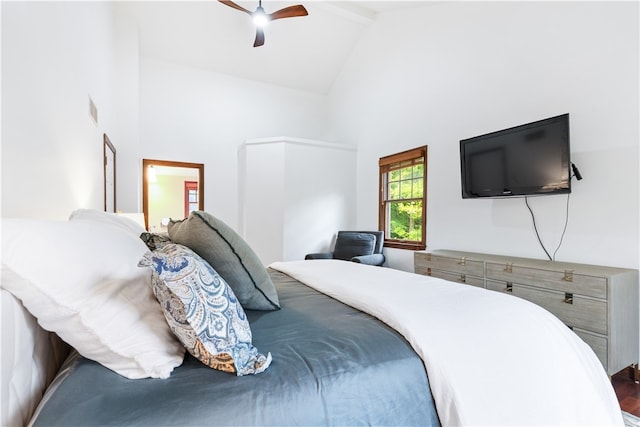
[(348, 344)]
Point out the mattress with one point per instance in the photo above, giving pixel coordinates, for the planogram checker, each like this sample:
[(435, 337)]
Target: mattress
[(332, 365)]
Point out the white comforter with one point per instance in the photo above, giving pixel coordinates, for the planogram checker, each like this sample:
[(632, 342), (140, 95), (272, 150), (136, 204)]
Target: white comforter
[(492, 359)]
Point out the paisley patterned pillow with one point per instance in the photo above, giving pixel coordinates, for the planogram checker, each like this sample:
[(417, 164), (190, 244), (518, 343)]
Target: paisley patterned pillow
[(202, 310)]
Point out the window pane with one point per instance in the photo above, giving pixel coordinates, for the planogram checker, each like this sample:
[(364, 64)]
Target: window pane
[(394, 191), (418, 171), (406, 173), (417, 188), (405, 189), (394, 175), (405, 221)]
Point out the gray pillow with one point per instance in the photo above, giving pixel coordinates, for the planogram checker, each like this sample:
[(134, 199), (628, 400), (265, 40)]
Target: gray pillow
[(230, 256), (349, 245)]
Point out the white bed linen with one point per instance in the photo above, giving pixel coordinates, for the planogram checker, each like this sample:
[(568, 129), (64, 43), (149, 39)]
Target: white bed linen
[(492, 359), (30, 359)]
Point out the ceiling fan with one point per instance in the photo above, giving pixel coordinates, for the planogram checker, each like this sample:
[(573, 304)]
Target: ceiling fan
[(260, 17)]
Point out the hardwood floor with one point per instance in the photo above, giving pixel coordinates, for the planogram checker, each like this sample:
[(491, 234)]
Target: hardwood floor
[(628, 391)]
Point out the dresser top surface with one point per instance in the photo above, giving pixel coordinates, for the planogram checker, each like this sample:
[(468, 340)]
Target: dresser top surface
[(531, 262)]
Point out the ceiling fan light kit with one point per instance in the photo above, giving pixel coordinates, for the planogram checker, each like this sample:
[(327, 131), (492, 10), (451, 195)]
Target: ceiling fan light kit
[(261, 18)]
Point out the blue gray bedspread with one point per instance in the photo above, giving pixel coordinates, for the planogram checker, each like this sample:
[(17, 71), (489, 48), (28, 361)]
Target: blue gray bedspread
[(332, 365)]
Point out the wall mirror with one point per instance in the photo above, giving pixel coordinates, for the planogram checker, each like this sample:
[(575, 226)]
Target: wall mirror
[(170, 190)]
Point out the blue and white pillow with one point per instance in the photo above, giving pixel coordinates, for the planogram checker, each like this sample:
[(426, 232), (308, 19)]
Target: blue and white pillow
[(202, 311)]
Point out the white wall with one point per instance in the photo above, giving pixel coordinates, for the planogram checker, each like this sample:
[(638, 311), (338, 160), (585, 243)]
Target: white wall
[(429, 75), (57, 54), (54, 56), (440, 73), (320, 193), (125, 134), (192, 115), (295, 195)]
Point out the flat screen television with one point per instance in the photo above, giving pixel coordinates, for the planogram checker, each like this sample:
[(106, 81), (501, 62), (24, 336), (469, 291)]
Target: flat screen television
[(530, 159)]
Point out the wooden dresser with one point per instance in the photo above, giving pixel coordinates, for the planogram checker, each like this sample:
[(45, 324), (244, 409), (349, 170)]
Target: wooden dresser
[(600, 304)]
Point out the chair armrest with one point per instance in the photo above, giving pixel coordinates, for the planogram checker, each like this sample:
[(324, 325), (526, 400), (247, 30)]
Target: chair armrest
[(374, 259), (321, 255)]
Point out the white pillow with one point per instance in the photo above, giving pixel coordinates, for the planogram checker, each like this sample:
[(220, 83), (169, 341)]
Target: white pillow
[(80, 279), (121, 221)]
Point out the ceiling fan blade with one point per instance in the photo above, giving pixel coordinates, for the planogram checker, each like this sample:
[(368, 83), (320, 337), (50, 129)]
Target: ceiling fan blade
[(235, 6), (259, 37), (289, 12)]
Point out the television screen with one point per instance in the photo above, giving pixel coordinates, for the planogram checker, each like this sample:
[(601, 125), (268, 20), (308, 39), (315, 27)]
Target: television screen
[(530, 159)]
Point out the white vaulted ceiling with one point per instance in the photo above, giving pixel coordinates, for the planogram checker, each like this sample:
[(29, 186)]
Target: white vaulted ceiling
[(304, 53)]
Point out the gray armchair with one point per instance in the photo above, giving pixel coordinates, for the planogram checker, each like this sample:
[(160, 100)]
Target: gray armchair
[(358, 246)]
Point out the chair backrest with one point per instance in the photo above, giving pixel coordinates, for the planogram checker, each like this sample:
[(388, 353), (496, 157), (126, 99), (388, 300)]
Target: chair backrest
[(378, 235)]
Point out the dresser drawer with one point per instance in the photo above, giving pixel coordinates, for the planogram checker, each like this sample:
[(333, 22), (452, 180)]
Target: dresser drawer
[(420, 269), (420, 262), (597, 342), (563, 281), (460, 265), (578, 311), (457, 277)]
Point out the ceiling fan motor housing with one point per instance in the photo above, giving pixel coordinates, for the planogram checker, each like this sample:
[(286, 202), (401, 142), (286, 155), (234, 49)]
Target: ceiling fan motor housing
[(260, 17)]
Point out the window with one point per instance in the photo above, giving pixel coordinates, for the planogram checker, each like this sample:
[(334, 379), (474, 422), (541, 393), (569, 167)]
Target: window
[(403, 199), (190, 197)]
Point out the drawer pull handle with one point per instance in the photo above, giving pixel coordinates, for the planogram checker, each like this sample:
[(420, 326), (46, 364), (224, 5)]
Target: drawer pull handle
[(463, 278), (428, 271), (509, 287), (428, 257), (508, 268), (568, 276), (568, 298), (463, 261)]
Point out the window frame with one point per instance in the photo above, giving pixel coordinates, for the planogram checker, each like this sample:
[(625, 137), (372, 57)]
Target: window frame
[(384, 164)]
